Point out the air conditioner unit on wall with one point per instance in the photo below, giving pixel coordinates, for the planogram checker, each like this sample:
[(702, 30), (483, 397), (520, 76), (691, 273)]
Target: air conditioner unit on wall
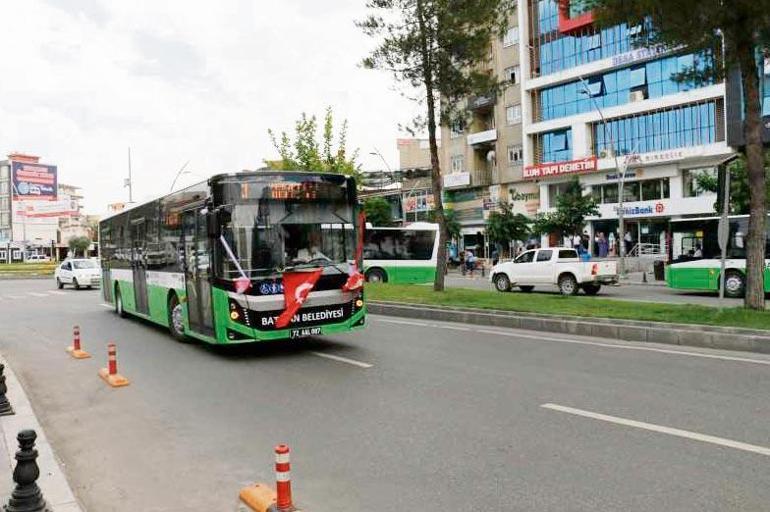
[(636, 96), (606, 153)]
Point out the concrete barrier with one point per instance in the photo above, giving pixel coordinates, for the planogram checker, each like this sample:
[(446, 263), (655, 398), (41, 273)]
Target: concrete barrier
[(728, 338)]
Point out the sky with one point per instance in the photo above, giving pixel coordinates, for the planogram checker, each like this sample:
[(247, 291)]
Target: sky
[(179, 81)]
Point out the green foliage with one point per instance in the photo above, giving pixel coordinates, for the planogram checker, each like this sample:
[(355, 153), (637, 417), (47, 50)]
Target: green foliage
[(79, 244), (504, 226), (306, 153), (572, 207), (739, 186), (378, 211), (450, 219)]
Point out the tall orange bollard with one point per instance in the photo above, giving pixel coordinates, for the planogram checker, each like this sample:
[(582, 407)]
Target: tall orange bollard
[(261, 498), (75, 350), (110, 374)]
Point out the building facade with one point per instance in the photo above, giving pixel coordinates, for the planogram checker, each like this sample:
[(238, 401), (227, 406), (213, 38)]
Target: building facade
[(482, 162), (414, 169), (595, 101)]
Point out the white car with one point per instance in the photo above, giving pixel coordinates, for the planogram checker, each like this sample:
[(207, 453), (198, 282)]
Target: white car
[(37, 258), (560, 266), (79, 273)]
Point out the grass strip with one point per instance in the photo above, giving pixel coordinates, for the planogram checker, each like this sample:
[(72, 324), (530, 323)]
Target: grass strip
[(582, 306)]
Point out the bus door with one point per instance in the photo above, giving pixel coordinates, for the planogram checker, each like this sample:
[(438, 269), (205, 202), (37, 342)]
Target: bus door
[(138, 264), (200, 314)]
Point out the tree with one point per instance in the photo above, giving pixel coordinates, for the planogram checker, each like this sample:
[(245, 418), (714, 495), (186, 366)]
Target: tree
[(434, 47), (306, 153), (742, 29), (739, 187), (378, 211), (452, 224), (569, 217), (79, 244), (504, 226)]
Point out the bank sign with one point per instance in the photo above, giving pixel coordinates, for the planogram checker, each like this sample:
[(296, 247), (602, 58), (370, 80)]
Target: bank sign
[(560, 168), (34, 181)]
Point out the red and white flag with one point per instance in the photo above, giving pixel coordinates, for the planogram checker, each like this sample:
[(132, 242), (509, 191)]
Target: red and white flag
[(296, 288)]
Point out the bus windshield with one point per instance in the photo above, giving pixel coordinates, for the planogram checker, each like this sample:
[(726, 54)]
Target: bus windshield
[(269, 231)]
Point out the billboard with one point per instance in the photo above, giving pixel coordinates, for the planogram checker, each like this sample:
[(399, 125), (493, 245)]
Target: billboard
[(60, 208), (33, 181)]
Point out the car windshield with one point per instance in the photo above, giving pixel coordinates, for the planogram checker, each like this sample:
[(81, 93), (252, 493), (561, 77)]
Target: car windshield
[(84, 264)]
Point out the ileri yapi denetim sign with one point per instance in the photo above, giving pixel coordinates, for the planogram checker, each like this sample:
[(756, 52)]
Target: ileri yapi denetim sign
[(560, 168)]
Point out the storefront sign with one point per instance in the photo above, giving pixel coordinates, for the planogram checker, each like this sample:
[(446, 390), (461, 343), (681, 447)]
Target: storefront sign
[(33, 181), (639, 54), (459, 179), (419, 203), (525, 199), (647, 209), (559, 169), (661, 156), (629, 175)]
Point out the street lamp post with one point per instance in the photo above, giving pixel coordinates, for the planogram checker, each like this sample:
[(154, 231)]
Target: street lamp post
[(178, 174), (621, 175), (376, 152)]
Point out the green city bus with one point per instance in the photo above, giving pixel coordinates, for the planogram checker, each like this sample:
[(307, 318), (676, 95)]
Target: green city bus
[(208, 261), (695, 255), (401, 254)]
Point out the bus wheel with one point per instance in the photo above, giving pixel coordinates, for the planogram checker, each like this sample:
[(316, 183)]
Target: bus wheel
[(176, 319), (502, 283), (735, 284), (376, 276), (119, 304)]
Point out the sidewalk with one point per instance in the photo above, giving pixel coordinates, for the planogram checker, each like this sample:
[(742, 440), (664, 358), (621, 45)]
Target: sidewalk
[(52, 481)]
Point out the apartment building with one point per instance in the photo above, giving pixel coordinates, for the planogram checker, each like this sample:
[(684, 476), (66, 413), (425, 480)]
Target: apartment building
[(594, 100), (481, 163), (414, 171)]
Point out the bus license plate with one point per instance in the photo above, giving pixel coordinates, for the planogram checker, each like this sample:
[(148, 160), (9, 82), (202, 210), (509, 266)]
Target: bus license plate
[(302, 333)]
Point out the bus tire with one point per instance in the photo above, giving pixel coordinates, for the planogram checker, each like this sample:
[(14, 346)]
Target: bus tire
[(568, 285), (735, 284), (119, 303), (176, 319), (591, 289), (376, 275), (502, 283)]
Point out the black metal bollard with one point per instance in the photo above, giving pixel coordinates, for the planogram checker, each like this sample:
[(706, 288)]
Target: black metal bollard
[(5, 405), (26, 496)]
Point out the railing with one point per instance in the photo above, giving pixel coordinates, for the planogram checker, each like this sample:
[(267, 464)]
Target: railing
[(645, 249), (482, 137), (481, 177)]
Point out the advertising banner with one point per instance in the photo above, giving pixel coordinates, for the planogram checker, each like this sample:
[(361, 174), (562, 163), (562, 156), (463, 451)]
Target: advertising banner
[(419, 203), (33, 181), (560, 168), (36, 209)]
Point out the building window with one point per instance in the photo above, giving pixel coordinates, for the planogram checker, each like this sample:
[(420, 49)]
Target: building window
[(5, 219), (511, 37), (513, 74), (555, 190), (513, 114), (4, 171), (456, 130), (4, 204), (458, 163), (691, 125), (3, 187), (515, 154), (651, 80), (553, 146), (695, 179)]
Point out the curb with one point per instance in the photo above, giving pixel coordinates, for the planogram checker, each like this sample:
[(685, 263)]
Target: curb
[(52, 481), (727, 338)]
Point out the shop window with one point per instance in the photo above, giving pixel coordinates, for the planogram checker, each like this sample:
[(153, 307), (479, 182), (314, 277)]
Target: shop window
[(610, 193), (631, 191), (555, 190), (651, 189)]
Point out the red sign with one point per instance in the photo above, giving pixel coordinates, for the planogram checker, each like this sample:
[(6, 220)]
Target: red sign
[(659, 207), (296, 288), (560, 168), (568, 24)]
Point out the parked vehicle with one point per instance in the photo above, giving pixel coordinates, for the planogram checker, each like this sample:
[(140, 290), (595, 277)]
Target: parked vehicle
[(558, 266), (37, 258), (78, 272)]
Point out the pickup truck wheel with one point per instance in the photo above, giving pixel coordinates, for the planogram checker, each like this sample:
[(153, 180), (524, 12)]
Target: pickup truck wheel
[(502, 283), (568, 284), (526, 289), (591, 289)]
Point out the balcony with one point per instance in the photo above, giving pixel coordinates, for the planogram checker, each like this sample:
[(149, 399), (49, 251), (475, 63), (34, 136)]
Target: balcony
[(481, 177), (482, 103), (484, 137)]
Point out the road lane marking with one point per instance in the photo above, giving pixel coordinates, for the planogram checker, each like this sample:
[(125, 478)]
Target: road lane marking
[(592, 343), (340, 359), (14, 297), (35, 294), (58, 292), (687, 434), (109, 306)]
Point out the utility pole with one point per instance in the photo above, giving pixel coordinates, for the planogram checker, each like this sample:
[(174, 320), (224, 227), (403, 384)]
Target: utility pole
[(128, 182)]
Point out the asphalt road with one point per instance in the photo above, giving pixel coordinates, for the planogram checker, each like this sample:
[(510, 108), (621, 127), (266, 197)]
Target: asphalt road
[(447, 417), (626, 291)]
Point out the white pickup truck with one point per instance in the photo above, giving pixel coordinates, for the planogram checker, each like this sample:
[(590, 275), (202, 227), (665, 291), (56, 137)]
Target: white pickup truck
[(558, 266)]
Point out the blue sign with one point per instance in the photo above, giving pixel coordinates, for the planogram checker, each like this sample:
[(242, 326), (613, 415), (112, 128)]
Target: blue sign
[(270, 288)]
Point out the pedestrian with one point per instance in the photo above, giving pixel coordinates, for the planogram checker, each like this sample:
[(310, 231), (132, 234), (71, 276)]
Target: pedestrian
[(611, 244), (602, 245), (629, 242), (576, 241), (495, 256), (470, 261)]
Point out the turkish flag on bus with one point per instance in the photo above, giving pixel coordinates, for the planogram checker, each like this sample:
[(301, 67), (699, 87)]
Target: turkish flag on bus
[(296, 287)]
